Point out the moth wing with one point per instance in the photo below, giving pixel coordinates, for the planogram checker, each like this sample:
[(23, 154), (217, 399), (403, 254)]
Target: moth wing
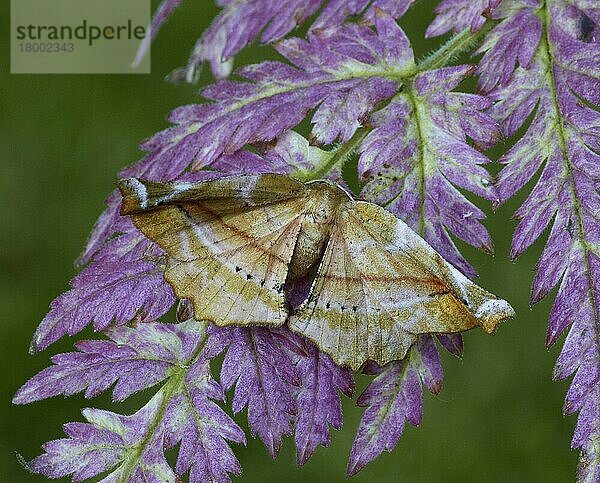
[(228, 247), (342, 316), (230, 192), (380, 285)]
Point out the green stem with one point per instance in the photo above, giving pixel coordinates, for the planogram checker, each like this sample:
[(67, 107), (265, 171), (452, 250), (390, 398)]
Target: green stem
[(458, 44), (339, 156), (173, 385), (455, 46), (424, 147)]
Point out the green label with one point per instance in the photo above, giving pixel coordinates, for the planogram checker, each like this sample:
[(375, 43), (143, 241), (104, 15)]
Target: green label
[(79, 36)]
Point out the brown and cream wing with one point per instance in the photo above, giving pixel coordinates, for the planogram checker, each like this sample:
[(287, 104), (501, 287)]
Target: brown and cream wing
[(343, 315), (379, 286), (229, 256), (230, 192), (457, 304)]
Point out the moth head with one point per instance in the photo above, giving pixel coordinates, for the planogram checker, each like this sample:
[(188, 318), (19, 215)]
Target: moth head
[(326, 198)]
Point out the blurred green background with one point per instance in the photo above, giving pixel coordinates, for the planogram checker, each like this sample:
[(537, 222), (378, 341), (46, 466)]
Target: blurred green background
[(64, 137)]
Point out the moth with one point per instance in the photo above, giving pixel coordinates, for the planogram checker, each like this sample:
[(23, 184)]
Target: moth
[(236, 244)]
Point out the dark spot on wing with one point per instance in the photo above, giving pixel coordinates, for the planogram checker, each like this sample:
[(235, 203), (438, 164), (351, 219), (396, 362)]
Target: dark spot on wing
[(184, 210)]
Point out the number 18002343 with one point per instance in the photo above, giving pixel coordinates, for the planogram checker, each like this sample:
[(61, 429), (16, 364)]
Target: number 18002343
[(47, 47)]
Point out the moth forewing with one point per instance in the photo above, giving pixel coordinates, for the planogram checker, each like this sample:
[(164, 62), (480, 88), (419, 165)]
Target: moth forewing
[(400, 240), (236, 191), (487, 309), (343, 316), (229, 242)]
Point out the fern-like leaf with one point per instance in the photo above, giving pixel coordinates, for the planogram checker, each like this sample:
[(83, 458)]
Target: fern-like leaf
[(418, 142), (124, 281), (265, 380), (318, 401), (242, 22), (557, 86), (131, 448), (344, 72), (393, 398)]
